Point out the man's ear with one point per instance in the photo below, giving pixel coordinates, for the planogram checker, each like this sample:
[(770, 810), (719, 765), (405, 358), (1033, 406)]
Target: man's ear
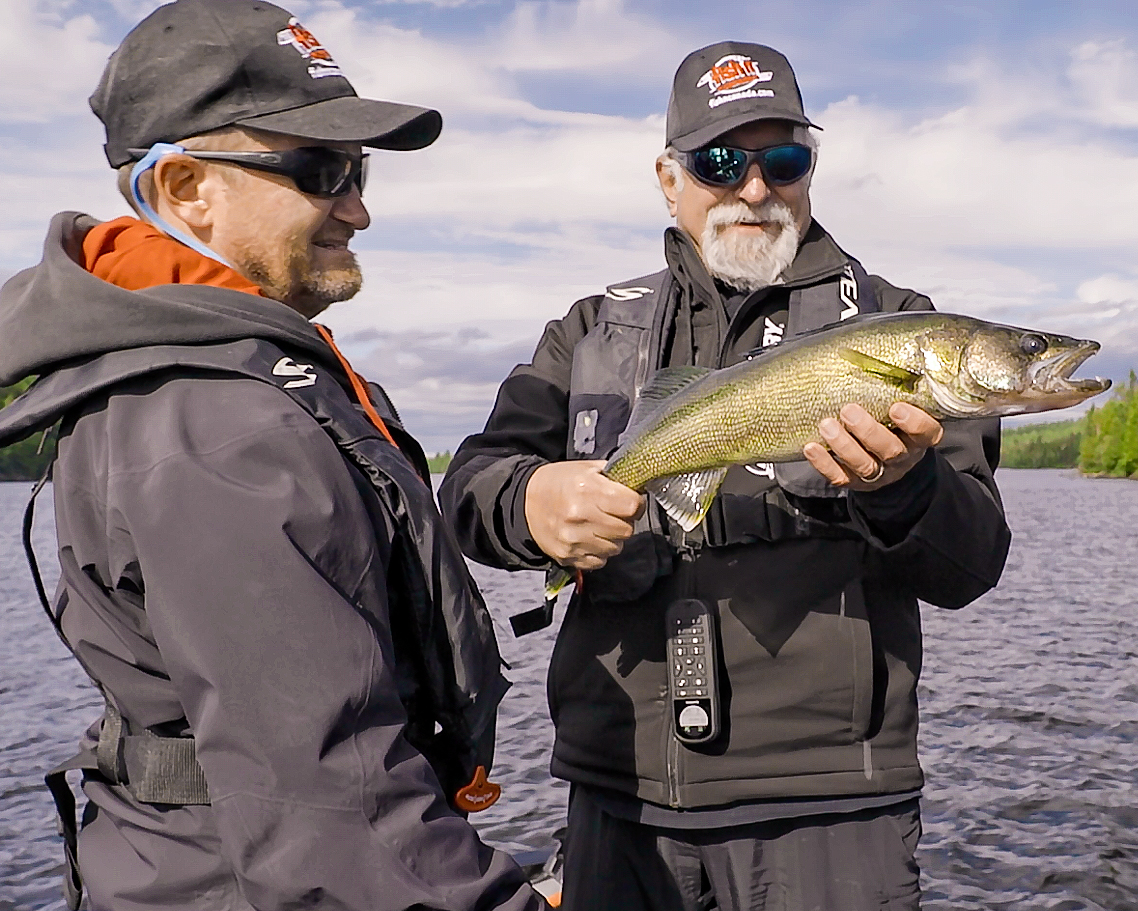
[(184, 189), (670, 182)]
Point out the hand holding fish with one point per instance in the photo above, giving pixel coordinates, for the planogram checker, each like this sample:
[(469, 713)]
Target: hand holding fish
[(578, 516), (864, 454)]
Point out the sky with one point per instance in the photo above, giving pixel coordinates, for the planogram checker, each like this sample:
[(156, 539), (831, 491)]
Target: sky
[(984, 153)]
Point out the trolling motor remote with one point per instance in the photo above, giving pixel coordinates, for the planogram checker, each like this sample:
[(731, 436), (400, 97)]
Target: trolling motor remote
[(692, 671)]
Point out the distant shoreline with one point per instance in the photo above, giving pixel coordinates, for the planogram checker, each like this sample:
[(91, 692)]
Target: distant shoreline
[(1101, 443)]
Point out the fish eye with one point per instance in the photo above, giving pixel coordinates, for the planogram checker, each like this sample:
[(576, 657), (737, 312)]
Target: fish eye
[(1033, 344)]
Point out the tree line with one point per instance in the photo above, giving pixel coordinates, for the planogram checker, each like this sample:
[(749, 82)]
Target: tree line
[(1109, 447), (1102, 443)]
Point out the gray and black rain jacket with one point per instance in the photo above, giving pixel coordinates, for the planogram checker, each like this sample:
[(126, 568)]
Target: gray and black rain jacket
[(229, 575), (815, 596)]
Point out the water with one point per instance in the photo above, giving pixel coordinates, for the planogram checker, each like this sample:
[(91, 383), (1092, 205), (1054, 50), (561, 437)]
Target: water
[(1029, 707)]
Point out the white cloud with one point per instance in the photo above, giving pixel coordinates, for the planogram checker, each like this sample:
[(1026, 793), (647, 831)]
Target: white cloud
[(960, 181), (602, 38), (385, 61), (484, 73), (445, 4), (594, 170), (38, 179), (1110, 288), (52, 60), (1108, 307), (1106, 75), (514, 295)]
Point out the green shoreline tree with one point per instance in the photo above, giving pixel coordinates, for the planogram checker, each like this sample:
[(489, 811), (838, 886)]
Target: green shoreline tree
[(1109, 446), (28, 459)]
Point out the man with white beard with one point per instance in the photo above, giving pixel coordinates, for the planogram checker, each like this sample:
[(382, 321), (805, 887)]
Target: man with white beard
[(735, 707)]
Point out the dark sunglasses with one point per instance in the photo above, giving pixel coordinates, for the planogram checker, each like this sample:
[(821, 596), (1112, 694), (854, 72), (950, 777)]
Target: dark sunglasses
[(724, 166), (316, 170)]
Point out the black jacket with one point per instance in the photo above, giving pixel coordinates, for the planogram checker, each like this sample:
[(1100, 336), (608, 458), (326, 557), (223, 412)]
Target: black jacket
[(820, 633), (224, 575)]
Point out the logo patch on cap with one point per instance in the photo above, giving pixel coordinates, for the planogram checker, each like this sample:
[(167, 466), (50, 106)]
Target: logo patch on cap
[(320, 61), (733, 78)]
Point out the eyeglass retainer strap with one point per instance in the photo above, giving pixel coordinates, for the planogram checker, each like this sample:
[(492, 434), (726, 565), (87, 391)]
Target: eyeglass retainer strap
[(149, 160)]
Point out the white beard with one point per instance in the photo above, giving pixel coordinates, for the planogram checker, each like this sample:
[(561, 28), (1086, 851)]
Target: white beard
[(749, 260)]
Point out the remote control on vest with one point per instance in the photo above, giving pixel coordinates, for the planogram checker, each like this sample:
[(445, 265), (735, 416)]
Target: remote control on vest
[(692, 669)]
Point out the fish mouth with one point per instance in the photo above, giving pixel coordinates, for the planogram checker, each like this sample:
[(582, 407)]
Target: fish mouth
[(1052, 376)]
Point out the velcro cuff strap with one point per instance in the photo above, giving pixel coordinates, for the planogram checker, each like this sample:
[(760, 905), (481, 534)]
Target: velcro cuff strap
[(164, 770), (154, 769)]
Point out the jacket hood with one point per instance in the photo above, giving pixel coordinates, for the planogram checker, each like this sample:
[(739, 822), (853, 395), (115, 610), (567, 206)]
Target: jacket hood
[(58, 312)]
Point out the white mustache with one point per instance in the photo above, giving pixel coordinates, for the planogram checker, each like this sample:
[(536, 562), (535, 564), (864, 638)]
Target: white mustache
[(737, 212)]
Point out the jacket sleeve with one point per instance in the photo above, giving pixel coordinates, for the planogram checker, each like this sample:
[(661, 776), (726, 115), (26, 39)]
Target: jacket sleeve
[(956, 548), (483, 493), (265, 593)]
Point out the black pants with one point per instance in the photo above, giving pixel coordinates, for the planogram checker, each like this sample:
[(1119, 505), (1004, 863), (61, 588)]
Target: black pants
[(842, 862)]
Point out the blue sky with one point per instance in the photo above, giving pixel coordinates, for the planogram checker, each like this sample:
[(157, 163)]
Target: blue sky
[(983, 152)]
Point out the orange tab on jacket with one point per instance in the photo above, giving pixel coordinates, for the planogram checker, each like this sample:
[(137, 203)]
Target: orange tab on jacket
[(480, 794)]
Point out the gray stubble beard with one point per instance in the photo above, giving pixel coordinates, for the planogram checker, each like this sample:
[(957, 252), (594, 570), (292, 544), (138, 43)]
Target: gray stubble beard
[(296, 282)]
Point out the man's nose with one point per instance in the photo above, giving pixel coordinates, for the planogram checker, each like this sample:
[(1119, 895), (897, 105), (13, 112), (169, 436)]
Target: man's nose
[(351, 210), (753, 189)]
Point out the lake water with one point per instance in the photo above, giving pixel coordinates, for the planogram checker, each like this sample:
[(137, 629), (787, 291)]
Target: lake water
[(1029, 705)]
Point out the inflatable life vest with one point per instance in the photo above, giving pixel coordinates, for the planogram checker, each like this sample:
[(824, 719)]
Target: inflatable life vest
[(614, 361), (446, 651)]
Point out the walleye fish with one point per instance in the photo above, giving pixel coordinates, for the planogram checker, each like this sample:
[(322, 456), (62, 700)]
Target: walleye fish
[(691, 424)]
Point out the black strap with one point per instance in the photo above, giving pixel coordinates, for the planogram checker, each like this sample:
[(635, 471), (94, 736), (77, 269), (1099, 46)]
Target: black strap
[(530, 621), (160, 770), (56, 779), (29, 551), (66, 823)]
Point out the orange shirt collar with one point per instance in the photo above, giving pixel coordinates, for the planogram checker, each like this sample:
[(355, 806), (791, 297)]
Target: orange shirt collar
[(134, 255)]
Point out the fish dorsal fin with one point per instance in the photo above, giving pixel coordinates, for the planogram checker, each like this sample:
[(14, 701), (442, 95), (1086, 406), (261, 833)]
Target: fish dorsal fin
[(667, 382), (687, 497), (660, 387), (890, 373)]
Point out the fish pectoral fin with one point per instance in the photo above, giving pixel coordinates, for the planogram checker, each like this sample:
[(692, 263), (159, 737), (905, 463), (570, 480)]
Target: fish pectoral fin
[(687, 497), (890, 373)]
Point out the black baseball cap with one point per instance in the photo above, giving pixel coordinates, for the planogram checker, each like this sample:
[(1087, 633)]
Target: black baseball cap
[(196, 65), (726, 85)]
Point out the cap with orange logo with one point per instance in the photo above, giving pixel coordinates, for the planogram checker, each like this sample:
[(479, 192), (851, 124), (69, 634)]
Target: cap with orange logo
[(197, 65), (726, 85)]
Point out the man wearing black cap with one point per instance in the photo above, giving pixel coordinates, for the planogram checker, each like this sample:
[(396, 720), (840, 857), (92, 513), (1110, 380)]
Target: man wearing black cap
[(736, 706), (301, 679)]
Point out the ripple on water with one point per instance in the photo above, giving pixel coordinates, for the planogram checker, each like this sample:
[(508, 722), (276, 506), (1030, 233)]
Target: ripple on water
[(1029, 703)]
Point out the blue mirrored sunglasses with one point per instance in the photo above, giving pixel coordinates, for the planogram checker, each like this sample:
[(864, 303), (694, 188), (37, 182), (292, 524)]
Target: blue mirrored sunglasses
[(725, 166)]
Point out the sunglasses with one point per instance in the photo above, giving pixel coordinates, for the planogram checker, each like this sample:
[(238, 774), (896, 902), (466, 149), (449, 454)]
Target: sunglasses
[(724, 166), (316, 170)]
